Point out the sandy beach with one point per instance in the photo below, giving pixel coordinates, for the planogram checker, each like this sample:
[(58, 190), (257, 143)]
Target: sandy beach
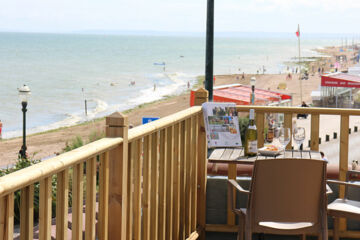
[(47, 144)]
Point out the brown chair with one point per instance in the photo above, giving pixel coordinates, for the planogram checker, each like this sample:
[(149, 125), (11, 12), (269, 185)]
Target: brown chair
[(343, 207), (286, 196)]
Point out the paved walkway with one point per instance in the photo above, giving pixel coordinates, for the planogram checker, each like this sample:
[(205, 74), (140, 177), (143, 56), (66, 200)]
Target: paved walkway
[(328, 125)]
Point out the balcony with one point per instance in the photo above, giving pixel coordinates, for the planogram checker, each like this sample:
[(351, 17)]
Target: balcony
[(148, 182)]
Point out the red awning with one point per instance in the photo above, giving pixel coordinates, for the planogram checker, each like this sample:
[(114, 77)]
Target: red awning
[(340, 80), (240, 94)]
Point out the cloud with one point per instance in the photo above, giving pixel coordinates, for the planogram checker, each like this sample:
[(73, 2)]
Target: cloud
[(185, 15)]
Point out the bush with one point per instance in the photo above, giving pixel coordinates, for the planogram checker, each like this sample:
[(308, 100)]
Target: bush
[(78, 141), (75, 143), (95, 135), (20, 164)]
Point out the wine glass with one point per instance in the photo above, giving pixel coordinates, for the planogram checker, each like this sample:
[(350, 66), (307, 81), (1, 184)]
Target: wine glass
[(284, 137), (299, 136)]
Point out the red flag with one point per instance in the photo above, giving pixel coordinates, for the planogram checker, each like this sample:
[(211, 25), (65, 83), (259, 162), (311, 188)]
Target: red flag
[(298, 31)]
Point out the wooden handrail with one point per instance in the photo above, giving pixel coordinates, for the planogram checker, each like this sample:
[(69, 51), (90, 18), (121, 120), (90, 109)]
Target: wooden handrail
[(295, 110), (149, 128)]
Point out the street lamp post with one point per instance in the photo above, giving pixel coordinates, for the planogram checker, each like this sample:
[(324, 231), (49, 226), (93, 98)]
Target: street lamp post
[(209, 55), (252, 96), (24, 93)]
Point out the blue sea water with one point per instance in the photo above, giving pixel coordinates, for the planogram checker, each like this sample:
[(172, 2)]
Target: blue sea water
[(64, 69)]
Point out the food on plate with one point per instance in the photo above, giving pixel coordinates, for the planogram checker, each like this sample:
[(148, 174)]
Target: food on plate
[(272, 148)]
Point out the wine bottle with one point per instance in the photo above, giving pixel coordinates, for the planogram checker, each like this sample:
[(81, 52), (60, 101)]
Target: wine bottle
[(270, 133), (251, 136)]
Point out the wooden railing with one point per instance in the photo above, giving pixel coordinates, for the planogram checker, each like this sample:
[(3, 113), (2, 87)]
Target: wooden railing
[(152, 179), (42, 173), (289, 113), (152, 184)]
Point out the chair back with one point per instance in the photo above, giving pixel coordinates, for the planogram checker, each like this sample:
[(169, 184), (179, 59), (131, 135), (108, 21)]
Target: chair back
[(287, 190)]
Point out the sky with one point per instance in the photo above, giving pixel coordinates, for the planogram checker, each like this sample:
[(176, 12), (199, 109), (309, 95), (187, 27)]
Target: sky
[(314, 16)]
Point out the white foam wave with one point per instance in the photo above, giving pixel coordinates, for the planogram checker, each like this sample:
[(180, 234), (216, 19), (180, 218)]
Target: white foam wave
[(99, 108), (178, 84)]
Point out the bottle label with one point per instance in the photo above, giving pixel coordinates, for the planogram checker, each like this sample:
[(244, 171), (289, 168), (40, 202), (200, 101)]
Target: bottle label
[(270, 135), (252, 114), (252, 146)]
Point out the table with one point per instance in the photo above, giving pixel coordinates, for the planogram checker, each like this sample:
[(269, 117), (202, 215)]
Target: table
[(236, 156)]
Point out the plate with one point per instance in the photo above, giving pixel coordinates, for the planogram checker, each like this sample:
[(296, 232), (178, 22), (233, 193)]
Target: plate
[(270, 150)]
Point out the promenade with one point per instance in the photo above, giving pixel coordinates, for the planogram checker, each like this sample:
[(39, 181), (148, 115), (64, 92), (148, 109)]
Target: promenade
[(330, 124)]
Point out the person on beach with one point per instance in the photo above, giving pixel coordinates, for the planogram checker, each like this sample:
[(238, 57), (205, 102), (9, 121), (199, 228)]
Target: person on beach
[(304, 104), (288, 77), (243, 76), (306, 75), (188, 84)]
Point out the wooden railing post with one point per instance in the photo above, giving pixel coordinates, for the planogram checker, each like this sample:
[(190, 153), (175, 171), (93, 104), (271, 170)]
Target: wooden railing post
[(315, 129), (260, 124), (27, 213), (117, 126), (7, 217), (201, 96), (288, 124), (344, 159)]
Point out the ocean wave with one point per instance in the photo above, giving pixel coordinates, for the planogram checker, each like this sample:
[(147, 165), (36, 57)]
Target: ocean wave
[(166, 84), (100, 107), (178, 84)]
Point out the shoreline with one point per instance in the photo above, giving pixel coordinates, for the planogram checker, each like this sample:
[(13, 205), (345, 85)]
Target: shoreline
[(44, 144), (99, 107)]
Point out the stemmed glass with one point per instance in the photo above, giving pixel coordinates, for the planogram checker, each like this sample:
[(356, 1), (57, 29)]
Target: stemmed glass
[(299, 137), (284, 137)]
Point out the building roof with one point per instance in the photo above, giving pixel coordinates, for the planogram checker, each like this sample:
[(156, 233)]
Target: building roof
[(340, 80), (240, 94)]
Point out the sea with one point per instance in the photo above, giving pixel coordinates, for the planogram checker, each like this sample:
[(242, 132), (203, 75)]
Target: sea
[(119, 72)]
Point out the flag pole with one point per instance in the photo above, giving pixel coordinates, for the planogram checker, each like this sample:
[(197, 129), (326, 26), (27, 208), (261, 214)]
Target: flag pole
[(301, 99)]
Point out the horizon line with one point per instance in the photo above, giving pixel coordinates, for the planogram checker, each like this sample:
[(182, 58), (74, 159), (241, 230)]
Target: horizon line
[(165, 32)]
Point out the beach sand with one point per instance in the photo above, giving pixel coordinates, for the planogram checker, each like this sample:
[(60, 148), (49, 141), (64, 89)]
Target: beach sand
[(47, 144)]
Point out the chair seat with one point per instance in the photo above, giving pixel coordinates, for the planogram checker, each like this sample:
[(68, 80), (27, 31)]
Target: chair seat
[(344, 206), (286, 225)]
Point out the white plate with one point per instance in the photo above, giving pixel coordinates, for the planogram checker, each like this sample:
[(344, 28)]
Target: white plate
[(265, 152)]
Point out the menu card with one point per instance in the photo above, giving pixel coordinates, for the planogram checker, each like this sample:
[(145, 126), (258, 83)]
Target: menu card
[(221, 124)]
